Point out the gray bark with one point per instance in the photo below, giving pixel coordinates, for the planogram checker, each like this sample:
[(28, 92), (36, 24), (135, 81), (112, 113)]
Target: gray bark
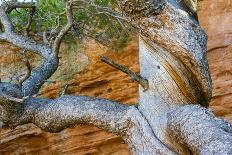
[(197, 128), (38, 75), (170, 118)]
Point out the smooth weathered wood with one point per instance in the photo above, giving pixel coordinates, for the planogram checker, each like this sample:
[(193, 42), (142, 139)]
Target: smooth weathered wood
[(134, 76)]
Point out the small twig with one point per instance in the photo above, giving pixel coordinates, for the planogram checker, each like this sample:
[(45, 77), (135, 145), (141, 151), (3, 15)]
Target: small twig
[(28, 65), (45, 39), (50, 81), (134, 76), (10, 98), (30, 17), (64, 89), (65, 30)]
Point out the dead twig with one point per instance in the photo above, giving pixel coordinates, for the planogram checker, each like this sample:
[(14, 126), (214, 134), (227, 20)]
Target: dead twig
[(64, 89), (134, 76), (29, 21), (28, 65)]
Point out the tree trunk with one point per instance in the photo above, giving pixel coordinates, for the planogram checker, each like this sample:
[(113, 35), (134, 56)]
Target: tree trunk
[(172, 57)]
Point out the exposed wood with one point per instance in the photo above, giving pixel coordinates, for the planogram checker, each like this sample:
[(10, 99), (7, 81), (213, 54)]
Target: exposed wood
[(134, 76), (198, 128)]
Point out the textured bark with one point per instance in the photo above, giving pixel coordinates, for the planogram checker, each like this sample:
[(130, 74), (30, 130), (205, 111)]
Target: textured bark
[(197, 128), (61, 113), (167, 120), (38, 75), (173, 59)]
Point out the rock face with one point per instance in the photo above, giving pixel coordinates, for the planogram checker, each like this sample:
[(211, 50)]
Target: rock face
[(216, 17), (100, 80)]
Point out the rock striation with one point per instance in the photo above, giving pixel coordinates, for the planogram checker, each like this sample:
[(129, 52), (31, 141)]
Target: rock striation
[(216, 17)]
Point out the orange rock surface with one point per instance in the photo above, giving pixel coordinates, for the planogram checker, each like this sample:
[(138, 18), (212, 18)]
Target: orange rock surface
[(216, 17), (101, 80)]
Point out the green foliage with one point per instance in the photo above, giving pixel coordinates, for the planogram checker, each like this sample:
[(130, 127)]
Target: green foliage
[(19, 17), (94, 19), (106, 2), (50, 13)]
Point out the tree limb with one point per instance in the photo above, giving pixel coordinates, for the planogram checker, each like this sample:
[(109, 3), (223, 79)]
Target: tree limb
[(29, 21), (134, 76), (5, 97), (36, 79), (45, 39), (123, 120), (65, 30), (200, 130), (50, 64), (16, 39)]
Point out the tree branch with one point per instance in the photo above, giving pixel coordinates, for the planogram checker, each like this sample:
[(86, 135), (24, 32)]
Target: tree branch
[(45, 39), (65, 30), (18, 40), (30, 17), (134, 76), (7, 98), (123, 120), (200, 130), (7, 7), (50, 64), (64, 89)]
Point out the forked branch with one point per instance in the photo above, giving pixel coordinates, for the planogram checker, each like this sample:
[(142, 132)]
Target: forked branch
[(65, 30), (29, 21), (39, 75)]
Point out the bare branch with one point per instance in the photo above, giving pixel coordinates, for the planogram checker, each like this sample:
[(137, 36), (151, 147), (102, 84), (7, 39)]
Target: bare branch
[(30, 17), (9, 5), (64, 89), (6, 97), (29, 68), (134, 76), (10, 92), (200, 130), (45, 39), (38, 75), (6, 7), (123, 120), (65, 30), (18, 40)]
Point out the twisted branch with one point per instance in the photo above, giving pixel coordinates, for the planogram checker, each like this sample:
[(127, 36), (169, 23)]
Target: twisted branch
[(123, 120), (33, 83)]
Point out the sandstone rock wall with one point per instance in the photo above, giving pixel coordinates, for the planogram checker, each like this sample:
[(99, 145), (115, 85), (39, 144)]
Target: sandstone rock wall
[(216, 17), (101, 80)]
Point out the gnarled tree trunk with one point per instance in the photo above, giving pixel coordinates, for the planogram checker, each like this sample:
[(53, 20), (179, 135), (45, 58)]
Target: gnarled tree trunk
[(171, 117)]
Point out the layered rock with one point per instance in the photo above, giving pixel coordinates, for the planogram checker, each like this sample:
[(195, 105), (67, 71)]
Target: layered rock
[(97, 79), (216, 17)]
